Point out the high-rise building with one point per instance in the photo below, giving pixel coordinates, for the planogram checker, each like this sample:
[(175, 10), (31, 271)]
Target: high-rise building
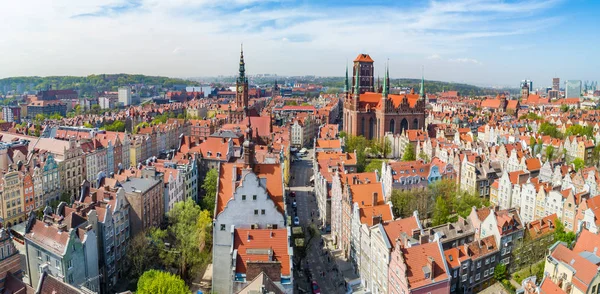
[(125, 96), (556, 84), (529, 84), (573, 89)]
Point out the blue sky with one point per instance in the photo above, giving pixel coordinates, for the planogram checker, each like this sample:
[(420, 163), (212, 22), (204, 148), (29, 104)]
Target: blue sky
[(483, 42)]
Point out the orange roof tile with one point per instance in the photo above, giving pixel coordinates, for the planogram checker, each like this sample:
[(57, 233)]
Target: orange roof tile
[(393, 229), (250, 242), (549, 287), (363, 58), (416, 258), (367, 214)]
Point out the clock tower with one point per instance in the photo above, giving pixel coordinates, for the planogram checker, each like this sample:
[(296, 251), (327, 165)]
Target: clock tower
[(241, 96)]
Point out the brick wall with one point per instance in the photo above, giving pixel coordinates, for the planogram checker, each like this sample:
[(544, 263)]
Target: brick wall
[(271, 268)]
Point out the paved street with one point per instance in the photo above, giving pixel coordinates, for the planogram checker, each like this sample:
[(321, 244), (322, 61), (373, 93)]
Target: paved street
[(318, 262)]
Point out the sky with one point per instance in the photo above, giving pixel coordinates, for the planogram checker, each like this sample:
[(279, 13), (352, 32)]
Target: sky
[(481, 42)]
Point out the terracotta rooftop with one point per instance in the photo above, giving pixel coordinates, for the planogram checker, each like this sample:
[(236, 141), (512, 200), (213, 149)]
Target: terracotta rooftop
[(363, 58), (416, 258), (257, 245)]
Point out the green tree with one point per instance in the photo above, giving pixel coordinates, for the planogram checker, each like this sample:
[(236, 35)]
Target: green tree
[(561, 235), (159, 282), (549, 129), (564, 108), (56, 116), (116, 126), (409, 153), (532, 143), (500, 272), (140, 254), (466, 201), (579, 130), (210, 190), (441, 213), (596, 155), (423, 156), (549, 152), (404, 203), (96, 109), (578, 163), (39, 118), (374, 165), (184, 230), (360, 145), (88, 125), (204, 226)]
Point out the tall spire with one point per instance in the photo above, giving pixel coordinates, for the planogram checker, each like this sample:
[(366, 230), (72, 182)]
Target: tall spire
[(242, 64), (346, 86), (385, 90), (422, 92)]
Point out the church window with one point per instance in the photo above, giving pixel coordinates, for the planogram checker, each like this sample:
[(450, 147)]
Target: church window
[(392, 127)]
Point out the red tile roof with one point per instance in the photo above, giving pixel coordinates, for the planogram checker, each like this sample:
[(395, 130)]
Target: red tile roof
[(416, 258), (393, 229), (363, 58), (272, 173), (250, 242), (549, 287)]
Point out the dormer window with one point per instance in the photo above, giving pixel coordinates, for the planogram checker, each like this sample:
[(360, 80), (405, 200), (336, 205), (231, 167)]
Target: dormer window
[(218, 154), (209, 153)]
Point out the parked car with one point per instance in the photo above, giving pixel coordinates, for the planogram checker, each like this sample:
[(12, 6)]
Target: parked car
[(296, 221), (294, 204), (315, 288), (293, 194)]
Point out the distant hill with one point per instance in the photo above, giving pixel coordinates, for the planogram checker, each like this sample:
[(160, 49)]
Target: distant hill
[(430, 86), (89, 85)]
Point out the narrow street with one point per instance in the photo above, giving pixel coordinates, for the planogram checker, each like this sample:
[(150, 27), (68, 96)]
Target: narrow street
[(320, 263)]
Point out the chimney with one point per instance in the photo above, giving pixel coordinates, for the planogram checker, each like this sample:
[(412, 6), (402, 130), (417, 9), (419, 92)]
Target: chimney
[(431, 265), (374, 198), (377, 219), (94, 197)]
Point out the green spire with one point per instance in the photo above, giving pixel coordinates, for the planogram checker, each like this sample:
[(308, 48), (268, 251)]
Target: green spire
[(242, 63), (346, 87), (385, 81), (357, 81), (422, 92)]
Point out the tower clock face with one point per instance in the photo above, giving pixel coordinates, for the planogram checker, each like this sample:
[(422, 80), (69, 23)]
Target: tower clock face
[(240, 89)]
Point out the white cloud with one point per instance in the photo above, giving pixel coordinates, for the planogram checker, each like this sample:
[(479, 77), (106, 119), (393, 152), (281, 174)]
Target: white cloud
[(147, 36), (465, 60)]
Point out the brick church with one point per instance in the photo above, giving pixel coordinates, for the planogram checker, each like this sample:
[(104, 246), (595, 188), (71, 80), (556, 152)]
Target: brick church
[(371, 112)]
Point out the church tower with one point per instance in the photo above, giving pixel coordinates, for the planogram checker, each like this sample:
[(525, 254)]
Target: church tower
[(363, 67), (241, 97)]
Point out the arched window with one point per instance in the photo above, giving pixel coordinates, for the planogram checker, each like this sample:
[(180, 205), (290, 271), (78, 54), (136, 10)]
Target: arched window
[(415, 124), (371, 128), (392, 127), (362, 126), (403, 125)]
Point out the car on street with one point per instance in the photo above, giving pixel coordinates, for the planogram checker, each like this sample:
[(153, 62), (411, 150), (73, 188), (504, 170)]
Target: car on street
[(315, 288), (293, 194), (296, 221), (294, 204)]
